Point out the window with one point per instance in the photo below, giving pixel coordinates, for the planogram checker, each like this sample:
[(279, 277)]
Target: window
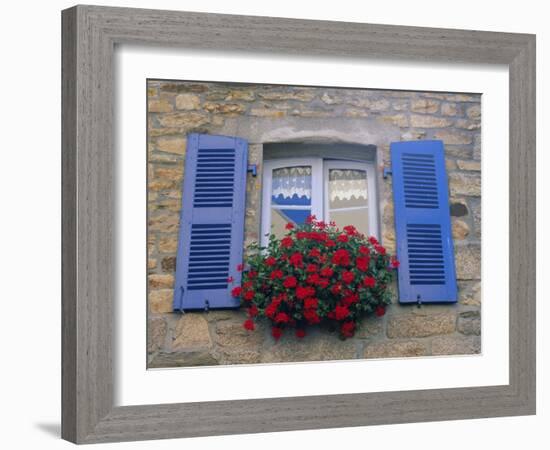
[(332, 190)]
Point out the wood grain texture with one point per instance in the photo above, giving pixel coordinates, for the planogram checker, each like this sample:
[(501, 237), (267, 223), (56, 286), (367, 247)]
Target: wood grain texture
[(89, 36)]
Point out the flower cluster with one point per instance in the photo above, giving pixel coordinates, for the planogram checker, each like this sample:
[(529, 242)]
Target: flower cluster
[(315, 273)]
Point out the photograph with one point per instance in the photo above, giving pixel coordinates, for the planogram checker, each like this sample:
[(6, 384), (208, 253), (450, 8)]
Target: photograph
[(310, 223)]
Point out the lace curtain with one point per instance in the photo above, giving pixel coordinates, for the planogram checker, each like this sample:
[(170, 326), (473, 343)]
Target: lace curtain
[(292, 185), (347, 184)]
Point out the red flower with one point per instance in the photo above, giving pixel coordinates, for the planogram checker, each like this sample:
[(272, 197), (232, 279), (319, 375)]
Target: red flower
[(300, 333), (342, 238), (312, 268), (369, 281), (341, 257), (350, 299), (296, 259), (373, 240), (313, 279), (282, 318), (301, 235), (364, 250), (380, 249), (326, 272), (341, 312), (289, 226), (271, 310), (276, 274), (270, 261), (323, 282), (311, 303), (336, 288), (362, 263), (350, 229), (348, 276), (240, 267), (380, 311), (311, 219), (249, 295), (247, 284), (276, 332), (348, 329), (394, 263), (251, 274), (330, 243), (314, 253), (248, 325), (230, 279), (321, 225), (287, 242), (236, 291), (253, 311), (311, 316), (303, 292), (290, 282)]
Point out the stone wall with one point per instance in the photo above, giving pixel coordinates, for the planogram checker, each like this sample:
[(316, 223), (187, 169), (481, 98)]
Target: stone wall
[(266, 114)]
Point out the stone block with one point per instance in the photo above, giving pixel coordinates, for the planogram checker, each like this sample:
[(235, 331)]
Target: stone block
[(456, 345), (394, 349), (160, 301), (468, 262), (191, 332), (469, 323), (409, 325)]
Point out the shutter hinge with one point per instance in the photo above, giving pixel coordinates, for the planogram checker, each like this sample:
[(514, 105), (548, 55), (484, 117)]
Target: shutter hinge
[(253, 168), (418, 301), (386, 172), (206, 306)]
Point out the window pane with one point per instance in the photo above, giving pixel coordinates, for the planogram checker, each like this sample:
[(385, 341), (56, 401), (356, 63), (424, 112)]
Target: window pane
[(291, 186), (280, 217), (347, 188), (359, 218)]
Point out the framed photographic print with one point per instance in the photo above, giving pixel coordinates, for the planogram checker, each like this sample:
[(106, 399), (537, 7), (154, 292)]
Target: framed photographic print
[(242, 203)]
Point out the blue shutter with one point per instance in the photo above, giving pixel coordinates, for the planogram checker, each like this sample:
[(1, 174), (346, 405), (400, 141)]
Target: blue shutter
[(422, 223), (211, 232)]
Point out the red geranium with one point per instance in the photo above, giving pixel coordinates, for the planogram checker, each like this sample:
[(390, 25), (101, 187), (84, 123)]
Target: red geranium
[(270, 261), (287, 242), (348, 276), (276, 274), (276, 332), (248, 325), (369, 281), (297, 282), (290, 282), (289, 226)]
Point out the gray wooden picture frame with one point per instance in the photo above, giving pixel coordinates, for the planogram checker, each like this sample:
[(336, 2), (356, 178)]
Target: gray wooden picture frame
[(90, 34)]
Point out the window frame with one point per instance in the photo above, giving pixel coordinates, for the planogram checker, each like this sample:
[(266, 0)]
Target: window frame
[(319, 183)]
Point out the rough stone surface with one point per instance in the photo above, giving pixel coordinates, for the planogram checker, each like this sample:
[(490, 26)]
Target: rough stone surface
[(156, 332), (424, 105), (422, 121), (171, 145), (183, 359), (468, 262), (160, 301), (469, 293), (187, 101), (420, 325), (469, 323), (453, 137), (191, 331), (460, 229), (465, 184), (394, 349), (237, 345), (317, 346), (157, 281), (456, 345)]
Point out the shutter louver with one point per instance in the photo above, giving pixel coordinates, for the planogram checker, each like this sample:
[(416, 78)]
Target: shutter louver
[(422, 223), (211, 223)]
